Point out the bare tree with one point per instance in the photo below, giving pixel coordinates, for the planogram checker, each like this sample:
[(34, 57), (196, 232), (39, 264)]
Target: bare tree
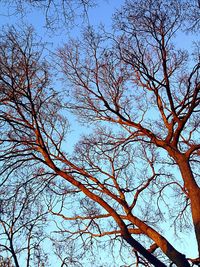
[(145, 88), (143, 56), (22, 220)]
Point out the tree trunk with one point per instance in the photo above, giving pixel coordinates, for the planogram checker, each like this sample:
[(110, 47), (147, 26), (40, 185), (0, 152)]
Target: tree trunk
[(175, 256), (145, 253), (193, 193)]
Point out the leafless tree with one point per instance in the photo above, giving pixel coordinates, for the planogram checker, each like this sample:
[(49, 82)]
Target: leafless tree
[(22, 220), (143, 72), (142, 93)]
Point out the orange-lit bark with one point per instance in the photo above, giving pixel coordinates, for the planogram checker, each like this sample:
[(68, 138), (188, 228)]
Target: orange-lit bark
[(175, 256), (102, 95), (193, 193)]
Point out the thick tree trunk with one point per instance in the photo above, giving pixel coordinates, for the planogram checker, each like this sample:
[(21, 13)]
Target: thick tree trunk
[(145, 253), (193, 192), (175, 256)]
